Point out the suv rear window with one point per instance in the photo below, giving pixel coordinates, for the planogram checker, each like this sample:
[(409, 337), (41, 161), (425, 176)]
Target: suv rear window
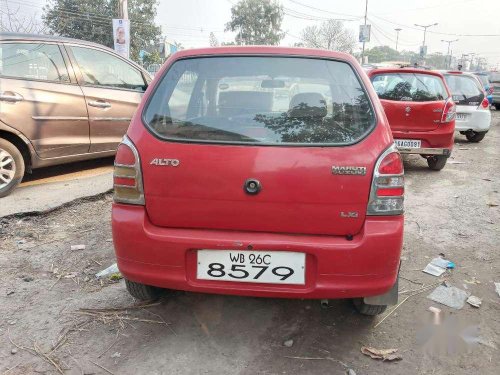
[(411, 87), (464, 89), (260, 100)]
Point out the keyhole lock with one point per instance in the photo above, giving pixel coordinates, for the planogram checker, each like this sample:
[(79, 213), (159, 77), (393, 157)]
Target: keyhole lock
[(252, 186)]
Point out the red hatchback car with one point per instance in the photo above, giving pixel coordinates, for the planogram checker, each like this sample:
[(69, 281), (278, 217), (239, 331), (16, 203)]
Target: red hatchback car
[(260, 171), (420, 110)]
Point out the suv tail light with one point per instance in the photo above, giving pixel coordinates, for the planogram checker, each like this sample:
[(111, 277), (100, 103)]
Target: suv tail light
[(485, 104), (449, 111), (387, 191), (127, 175)]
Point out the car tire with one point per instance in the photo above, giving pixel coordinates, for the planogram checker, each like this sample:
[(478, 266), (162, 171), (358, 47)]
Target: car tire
[(143, 292), (497, 106), (436, 162), (366, 309), (11, 167), (475, 137)]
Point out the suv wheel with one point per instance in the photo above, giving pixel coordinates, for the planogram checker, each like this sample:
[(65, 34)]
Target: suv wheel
[(436, 162), (11, 167), (475, 137), (366, 309), (143, 292)]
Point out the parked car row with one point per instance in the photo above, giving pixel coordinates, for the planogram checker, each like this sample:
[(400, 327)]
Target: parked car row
[(255, 171)]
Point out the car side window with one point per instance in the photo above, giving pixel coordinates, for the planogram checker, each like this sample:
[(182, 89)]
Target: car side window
[(100, 68), (32, 61)]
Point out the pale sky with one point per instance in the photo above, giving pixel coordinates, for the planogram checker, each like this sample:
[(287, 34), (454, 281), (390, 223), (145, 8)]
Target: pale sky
[(191, 21)]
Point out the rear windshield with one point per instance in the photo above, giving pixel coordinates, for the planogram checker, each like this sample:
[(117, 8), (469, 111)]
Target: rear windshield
[(260, 100), (411, 87), (464, 89)]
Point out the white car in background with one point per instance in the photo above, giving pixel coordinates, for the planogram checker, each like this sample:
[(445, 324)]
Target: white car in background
[(473, 109)]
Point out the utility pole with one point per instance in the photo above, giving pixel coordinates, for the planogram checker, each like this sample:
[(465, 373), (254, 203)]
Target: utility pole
[(397, 37), (123, 9), (363, 52), (448, 51), (425, 27), (471, 60)]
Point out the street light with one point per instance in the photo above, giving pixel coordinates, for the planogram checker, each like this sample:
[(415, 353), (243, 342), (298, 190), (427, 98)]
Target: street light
[(425, 27), (448, 52), (397, 37)]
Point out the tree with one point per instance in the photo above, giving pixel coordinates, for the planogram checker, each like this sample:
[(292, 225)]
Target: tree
[(92, 21), (256, 22), (12, 21), (379, 54), (330, 35), (213, 40)]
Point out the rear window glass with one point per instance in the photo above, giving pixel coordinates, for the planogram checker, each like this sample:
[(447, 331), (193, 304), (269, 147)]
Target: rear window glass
[(464, 89), (260, 100), (409, 87)]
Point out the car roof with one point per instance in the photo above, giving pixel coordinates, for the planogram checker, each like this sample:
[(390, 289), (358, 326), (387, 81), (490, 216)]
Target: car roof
[(405, 70), (4, 36), (45, 38), (262, 50)]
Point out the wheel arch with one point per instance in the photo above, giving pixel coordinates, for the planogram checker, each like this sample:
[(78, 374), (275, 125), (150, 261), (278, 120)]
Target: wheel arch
[(21, 145)]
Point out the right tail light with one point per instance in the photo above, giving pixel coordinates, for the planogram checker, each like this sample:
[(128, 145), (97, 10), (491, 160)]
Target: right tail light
[(387, 190), (127, 175), (485, 104), (449, 111)]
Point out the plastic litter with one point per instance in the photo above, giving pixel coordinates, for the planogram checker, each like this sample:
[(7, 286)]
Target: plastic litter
[(438, 266), (449, 296), (474, 301), (497, 288), (108, 271), (77, 247)]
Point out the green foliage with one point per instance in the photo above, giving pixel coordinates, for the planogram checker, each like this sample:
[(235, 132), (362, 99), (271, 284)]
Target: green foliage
[(92, 21), (257, 22), (153, 58)]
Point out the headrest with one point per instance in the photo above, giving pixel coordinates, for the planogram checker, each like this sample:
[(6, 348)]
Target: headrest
[(307, 104)]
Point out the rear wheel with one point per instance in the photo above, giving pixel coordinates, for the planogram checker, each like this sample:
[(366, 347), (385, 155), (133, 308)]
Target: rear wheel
[(11, 167), (497, 106), (436, 162), (143, 292), (366, 309), (473, 136)]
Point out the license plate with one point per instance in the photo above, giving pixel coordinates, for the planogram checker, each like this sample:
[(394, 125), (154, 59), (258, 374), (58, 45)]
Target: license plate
[(461, 116), (408, 143), (273, 267)]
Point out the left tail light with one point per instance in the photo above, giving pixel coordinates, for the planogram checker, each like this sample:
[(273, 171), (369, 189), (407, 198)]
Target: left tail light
[(449, 111), (127, 175)]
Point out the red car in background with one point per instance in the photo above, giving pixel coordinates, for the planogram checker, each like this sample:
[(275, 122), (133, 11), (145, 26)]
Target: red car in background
[(420, 110), (260, 171)]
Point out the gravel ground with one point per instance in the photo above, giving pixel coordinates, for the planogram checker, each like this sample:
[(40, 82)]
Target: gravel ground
[(44, 285)]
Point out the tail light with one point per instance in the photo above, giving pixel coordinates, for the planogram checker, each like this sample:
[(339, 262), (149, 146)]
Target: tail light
[(387, 191), (449, 111), (490, 90), (127, 175), (485, 104)]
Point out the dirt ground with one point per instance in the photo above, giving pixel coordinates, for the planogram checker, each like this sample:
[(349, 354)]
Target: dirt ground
[(45, 288)]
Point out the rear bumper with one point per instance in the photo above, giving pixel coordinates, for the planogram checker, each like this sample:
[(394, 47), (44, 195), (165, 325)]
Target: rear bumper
[(477, 120), (437, 142), (335, 267)]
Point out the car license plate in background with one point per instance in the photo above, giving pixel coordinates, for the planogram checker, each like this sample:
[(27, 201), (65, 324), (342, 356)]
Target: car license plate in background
[(274, 267), (408, 143), (461, 116)]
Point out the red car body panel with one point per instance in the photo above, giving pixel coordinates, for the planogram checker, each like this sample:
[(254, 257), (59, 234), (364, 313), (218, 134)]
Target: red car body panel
[(335, 267), (423, 122), (201, 205)]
